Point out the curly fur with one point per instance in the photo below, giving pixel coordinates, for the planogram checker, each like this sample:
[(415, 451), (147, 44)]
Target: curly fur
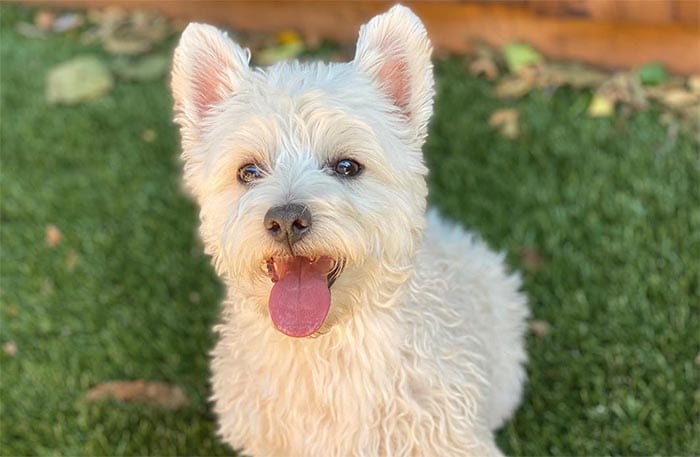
[(422, 349)]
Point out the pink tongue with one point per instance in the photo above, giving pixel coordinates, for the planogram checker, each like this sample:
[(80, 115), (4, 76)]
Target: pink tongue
[(300, 300)]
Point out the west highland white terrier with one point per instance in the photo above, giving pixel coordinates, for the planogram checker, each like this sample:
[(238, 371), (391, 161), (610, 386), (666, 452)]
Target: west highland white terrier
[(354, 323)]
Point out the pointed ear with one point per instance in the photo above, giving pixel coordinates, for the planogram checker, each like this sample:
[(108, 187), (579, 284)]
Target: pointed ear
[(394, 50), (207, 67)]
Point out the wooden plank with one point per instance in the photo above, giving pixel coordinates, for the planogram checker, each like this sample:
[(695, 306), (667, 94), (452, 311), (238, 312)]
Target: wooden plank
[(638, 11), (456, 26), (686, 11)]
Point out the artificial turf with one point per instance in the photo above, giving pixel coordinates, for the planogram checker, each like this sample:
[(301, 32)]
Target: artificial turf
[(611, 207)]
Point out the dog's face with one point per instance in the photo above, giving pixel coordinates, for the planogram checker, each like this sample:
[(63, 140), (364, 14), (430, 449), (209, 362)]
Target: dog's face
[(310, 177)]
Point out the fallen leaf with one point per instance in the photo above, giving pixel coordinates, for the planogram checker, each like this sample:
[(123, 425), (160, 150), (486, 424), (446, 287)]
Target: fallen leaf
[(313, 40), (512, 87), (9, 348), (126, 45), (71, 260), (484, 66), (519, 56), (140, 391), (44, 20), (679, 98), (109, 15), (149, 68), (53, 236), (555, 74), (274, 54), (48, 22), (539, 328), (531, 259), (690, 115), (601, 106), (149, 135), (697, 359), (694, 84), (28, 30), (624, 88), (289, 37), (126, 33), (506, 121), (288, 46), (652, 74), (78, 80)]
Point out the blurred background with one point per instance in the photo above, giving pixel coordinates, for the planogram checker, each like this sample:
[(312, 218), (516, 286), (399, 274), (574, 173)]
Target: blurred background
[(566, 132)]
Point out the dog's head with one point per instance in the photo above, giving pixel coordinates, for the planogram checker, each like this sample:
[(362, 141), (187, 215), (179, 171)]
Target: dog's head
[(310, 176)]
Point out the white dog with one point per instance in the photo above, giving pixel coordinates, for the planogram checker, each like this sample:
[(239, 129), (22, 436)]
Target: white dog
[(354, 323)]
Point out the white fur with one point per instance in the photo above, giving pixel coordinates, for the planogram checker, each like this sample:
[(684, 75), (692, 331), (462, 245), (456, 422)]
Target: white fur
[(422, 350)]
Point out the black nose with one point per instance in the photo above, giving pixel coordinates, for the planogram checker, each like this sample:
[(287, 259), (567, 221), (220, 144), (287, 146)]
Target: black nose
[(288, 222)]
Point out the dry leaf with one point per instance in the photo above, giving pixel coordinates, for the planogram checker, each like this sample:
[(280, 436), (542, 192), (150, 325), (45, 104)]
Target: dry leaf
[(44, 20), (10, 348), (694, 84), (697, 359), (78, 80), (531, 259), (484, 66), (289, 36), (125, 44), (624, 88), (71, 260), (679, 98), (53, 236), (110, 15), (601, 106), (149, 68), (690, 115), (49, 22), (289, 45), (539, 328), (506, 121), (313, 40), (126, 33), (557, 74), (513, 87), (140, 391), (149, 135), (28, 30)]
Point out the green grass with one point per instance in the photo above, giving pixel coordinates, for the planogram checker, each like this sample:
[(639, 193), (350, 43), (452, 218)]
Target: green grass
[(611, 206)]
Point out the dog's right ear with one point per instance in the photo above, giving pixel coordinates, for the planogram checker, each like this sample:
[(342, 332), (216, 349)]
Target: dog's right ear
[(207, 67)]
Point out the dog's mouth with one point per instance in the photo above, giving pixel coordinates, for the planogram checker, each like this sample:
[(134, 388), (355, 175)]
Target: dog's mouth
[(300, 297)]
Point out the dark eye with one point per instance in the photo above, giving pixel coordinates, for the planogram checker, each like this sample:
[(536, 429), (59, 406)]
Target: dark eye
[(249, 173), (347, 167)]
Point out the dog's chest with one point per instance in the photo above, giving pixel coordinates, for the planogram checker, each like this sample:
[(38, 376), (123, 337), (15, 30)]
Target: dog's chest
[(335, 395)]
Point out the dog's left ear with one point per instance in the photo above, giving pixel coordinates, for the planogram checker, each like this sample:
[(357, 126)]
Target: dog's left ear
[(393, 48), (207, 67)]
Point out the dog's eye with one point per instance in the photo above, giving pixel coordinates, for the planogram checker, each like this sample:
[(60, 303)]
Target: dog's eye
[(249, 173), (347, 167)]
